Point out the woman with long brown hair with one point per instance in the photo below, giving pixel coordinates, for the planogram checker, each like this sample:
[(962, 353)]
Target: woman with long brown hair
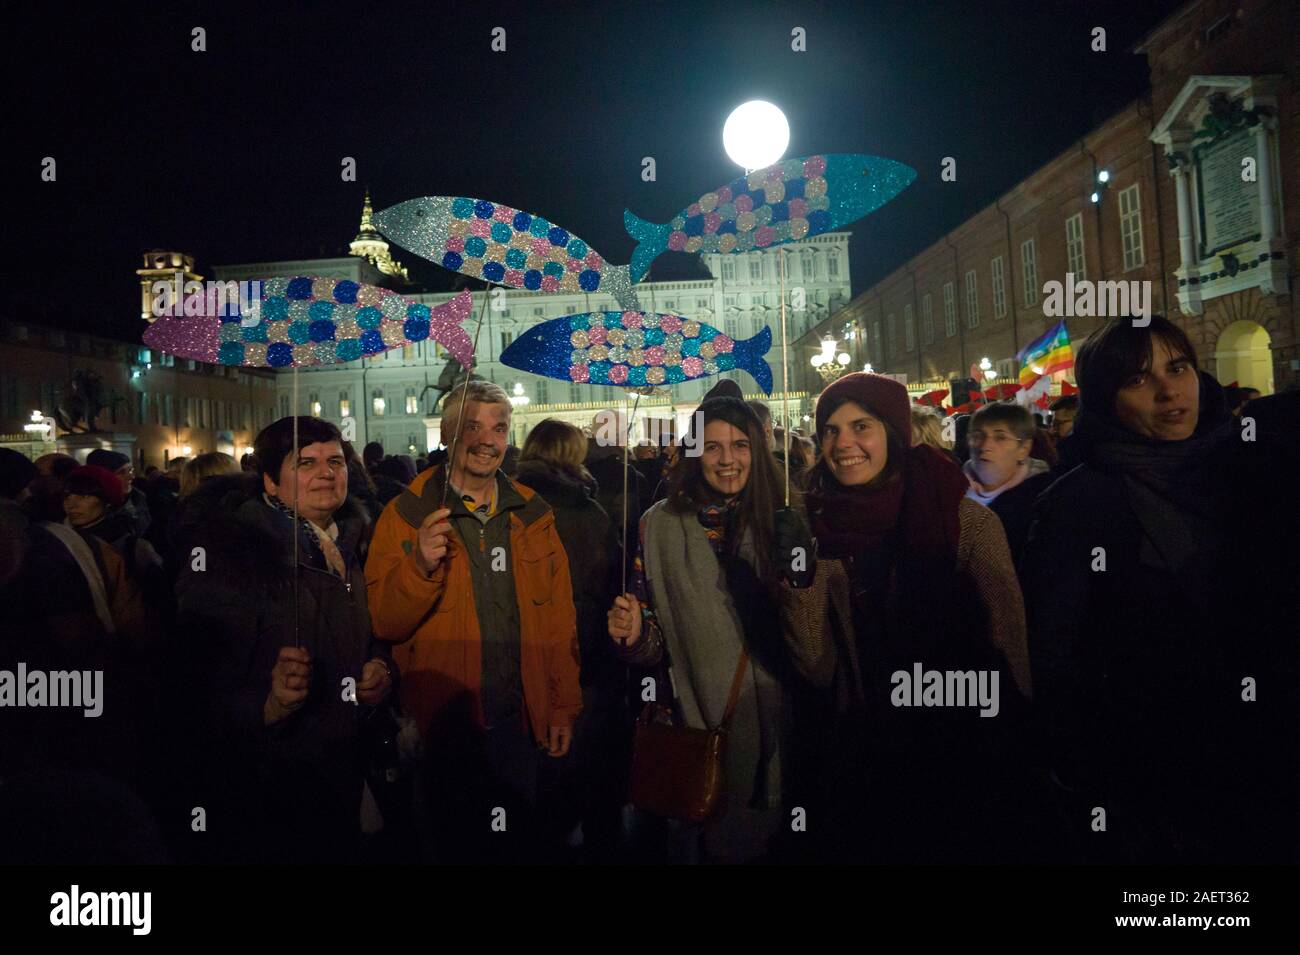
[(703, 592)]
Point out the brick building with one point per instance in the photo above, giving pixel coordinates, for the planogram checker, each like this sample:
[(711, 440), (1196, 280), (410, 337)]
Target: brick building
[(157, 407), (1192, 184)]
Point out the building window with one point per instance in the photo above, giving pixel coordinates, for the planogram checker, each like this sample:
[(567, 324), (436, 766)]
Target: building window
[(412, 402), (345, 405), (755, 268), (875, 339), (568, 309), (728, 270), (1130, 227), (927, 319), (833, 266), (730, 329), (506, 339), (167, 410), (539, 312), (972, 300), (575, 393), (313, 404), (1074, 260), (142, 408), (808, 265), (949, 310), (541, 391), (671, 305), (377, 402), (1029, 270), (909, 329), (891, 335), (999, 288), (284, 406), (702, 304)]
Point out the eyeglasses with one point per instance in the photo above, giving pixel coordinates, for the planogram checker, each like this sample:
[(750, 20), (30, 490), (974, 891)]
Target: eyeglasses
[(993, 437)]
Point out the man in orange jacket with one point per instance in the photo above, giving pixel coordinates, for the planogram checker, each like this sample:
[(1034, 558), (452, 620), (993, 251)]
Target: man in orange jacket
[(475, 595)]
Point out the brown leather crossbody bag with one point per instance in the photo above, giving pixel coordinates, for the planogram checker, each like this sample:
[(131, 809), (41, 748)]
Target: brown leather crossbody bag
[(677, 770)]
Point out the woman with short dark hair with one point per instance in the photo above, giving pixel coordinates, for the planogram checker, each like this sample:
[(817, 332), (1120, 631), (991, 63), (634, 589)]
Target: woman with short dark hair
[(1144, 624)]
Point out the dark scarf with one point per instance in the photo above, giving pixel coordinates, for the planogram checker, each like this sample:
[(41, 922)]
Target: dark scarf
[(1174, 488), (919, 509)]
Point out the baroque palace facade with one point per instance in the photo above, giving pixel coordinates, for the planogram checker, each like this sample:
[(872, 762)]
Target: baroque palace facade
[(389, 397)]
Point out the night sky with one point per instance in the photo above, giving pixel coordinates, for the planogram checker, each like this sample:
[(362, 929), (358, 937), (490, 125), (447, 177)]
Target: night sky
[(233, 155)]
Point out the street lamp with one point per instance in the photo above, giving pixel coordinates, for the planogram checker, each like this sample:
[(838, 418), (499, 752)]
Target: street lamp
[(755, 135), (40, 424), (986, 366), (829, 364), (519, 399), (868, 369)]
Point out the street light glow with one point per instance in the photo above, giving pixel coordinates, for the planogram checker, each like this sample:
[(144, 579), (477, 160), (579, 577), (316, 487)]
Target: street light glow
[(756, 134)]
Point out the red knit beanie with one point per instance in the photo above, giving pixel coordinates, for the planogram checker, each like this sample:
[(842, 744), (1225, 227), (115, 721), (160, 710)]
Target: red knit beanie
[(98, 482), (883, 397)]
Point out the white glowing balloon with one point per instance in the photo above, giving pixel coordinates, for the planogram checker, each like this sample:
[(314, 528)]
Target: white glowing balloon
[(756, 134)]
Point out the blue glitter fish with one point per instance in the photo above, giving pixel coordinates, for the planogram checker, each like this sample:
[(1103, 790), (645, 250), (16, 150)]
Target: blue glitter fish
[(786, 202), (635, 349), (500, 244)]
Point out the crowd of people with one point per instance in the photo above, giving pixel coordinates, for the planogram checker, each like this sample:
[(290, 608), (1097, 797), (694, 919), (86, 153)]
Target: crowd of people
[(311, 655)]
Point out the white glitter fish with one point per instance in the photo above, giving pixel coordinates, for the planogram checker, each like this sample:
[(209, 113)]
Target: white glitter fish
[(499, 244)]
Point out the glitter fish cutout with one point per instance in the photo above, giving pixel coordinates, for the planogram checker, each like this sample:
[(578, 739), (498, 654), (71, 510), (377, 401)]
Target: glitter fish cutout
[(502, 245), (635, 349), (786, 202), (303, 321)]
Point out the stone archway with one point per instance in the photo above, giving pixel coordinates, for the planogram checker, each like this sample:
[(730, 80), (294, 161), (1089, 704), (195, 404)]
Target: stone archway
[(1242, 354)]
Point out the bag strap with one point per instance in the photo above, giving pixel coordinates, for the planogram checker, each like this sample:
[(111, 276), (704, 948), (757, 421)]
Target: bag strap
[(741, 666)]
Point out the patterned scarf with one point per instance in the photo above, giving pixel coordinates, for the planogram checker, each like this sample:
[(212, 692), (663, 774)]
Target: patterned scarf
[(317, 540), (718, 521)]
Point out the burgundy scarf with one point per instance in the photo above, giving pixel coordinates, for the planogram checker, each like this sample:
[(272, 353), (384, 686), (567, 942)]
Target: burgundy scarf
[(921, 508)]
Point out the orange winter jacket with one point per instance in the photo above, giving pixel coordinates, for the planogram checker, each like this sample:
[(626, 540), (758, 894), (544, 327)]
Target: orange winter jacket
[(434, 625)]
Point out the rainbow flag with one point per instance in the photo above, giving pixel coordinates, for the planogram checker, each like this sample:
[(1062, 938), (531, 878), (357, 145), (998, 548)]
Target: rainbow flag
[(1045, 355)]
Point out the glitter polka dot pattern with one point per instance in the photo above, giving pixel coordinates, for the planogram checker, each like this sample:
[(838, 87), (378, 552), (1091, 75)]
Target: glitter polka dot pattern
[(771, 206), (513, 235), (633, 348), (315, 321)]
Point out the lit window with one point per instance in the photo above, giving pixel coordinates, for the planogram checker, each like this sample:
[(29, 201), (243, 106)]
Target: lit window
[(412, 402), (377, 402), (345, 405)]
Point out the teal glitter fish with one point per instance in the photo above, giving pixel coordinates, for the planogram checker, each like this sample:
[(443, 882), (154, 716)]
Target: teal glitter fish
[(786, 202)]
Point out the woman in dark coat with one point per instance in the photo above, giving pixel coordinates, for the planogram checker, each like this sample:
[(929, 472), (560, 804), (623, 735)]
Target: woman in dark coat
[(1150, 631)]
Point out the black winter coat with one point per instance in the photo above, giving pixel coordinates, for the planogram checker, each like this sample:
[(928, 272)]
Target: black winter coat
[(591, 543), (294, 787), (1139, 673)]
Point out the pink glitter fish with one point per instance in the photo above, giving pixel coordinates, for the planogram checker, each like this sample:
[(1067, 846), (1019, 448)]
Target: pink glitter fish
[(301, 321)]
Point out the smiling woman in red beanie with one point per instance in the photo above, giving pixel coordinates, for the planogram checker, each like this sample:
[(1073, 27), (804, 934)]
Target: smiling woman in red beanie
[(912, 577)]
